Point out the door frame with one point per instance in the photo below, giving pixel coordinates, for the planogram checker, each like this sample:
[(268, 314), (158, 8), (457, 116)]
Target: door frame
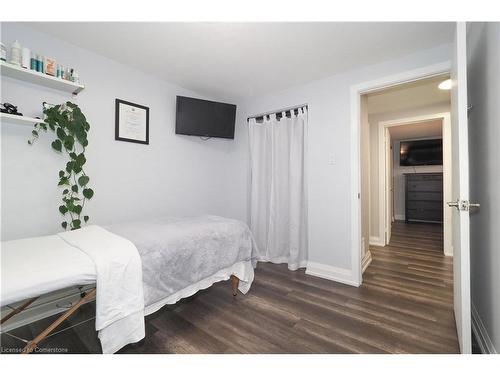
[(355, 98), (383, 127)]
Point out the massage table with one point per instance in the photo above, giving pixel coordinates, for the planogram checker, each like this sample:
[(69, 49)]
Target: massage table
[(137, 268)]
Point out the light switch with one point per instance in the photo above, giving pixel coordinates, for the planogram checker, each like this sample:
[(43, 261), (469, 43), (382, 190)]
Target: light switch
[(331, 159)]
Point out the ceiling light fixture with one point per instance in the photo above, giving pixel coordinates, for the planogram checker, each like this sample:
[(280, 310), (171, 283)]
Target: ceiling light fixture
[(445, 85)]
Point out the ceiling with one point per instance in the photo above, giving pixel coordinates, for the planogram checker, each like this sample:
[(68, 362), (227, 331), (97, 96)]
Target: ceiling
[(418, 94), (235, 60), (427, 129)]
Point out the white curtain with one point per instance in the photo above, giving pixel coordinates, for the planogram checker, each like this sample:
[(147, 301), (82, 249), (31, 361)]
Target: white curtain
[(278, 208)]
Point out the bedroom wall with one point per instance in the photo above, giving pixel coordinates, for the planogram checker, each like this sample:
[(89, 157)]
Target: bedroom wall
[(483, 78), (173, 175), (329, 138)]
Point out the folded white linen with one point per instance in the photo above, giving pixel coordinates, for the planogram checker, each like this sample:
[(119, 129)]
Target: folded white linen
[(119, 294)]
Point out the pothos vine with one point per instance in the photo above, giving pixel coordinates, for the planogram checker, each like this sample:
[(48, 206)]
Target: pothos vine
[(71, 129)]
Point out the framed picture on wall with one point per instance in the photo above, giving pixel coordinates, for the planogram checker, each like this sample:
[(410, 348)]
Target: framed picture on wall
[(131, 122)]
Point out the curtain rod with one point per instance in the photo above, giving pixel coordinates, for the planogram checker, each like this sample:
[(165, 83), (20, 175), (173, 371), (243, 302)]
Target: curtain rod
[(277, 111)]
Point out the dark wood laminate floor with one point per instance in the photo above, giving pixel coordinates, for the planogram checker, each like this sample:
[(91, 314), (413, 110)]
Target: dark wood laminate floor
[(403, 306)]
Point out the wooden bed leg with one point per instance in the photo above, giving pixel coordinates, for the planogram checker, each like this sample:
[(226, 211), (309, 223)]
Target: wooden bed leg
[(30, 346), (234, 283), (19, 309)]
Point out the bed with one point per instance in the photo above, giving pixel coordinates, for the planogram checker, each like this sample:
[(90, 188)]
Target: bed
[(137, 267)]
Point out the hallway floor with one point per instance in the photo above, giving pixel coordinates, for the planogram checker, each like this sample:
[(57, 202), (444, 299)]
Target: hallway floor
[(413, 269)]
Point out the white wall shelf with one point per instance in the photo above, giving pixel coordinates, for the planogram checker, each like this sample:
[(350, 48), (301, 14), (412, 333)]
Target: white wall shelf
[(17, 72), (19, 120)]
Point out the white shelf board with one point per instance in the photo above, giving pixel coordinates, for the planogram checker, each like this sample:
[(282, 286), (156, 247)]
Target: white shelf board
[(17, 72), (19, 120)]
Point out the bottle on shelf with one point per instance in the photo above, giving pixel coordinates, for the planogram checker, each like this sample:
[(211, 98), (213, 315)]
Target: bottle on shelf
[(33, 61), (16, 53), (3, 52), (26, 55)]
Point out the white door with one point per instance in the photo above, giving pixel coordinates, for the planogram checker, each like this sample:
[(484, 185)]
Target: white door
[(460, 190)]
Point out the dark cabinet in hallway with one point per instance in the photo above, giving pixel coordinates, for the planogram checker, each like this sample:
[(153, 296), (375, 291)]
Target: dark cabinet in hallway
[(424, 197)]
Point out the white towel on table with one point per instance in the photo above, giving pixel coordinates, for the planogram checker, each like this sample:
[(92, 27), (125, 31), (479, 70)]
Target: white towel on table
[(119, 294)]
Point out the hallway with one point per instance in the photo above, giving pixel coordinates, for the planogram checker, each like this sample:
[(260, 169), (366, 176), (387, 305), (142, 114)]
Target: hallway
[(414, 272)]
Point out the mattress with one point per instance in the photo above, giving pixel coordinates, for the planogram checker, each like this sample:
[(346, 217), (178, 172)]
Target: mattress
[(35, 266), (179, 257)]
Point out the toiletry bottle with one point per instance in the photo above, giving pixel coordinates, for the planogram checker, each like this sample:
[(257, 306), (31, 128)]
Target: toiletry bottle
[(76, 77), (37, 57), (3, 52), (33, 61), (26, 54), (42, 65), (16, 53)]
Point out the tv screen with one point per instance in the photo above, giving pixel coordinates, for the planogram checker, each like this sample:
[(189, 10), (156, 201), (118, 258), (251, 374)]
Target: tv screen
[(425, 152), (204, 118)]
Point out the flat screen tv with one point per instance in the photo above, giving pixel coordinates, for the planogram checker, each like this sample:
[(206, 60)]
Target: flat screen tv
[(204, 118), (424, 152)]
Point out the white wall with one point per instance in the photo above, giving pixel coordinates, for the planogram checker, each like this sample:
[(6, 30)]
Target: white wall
[(173, 175), (399, 180), (484, 152), (329, 134)]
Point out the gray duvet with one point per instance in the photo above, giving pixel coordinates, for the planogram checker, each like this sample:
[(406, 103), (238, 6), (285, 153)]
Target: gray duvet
[(179, 252)]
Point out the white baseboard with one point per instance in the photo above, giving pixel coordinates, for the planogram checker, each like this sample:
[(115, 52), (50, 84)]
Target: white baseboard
[(376, 241), (480, 333), (341, 275), (367, 259), (399, 217)]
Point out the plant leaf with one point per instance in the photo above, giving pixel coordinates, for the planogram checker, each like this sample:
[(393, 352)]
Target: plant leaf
[(86, 218), (65, 191), (63, 181), (63, 209), (74, 188), (64, 224), (69, 142), (88, 193), (83, 180), (76, 224), (61, 134), (80, 159), (57, 145)]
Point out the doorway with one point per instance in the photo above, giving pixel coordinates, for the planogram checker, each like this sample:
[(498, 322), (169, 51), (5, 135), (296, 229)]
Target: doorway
[(414, 112), (405, 181)]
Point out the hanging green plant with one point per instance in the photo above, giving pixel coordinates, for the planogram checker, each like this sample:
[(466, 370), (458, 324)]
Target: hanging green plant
[(71, 129)]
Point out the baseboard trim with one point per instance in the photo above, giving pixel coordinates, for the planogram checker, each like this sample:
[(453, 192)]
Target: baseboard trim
[(376, 241), (399, 217), (341, 275), (480, 333), (367, 259)]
